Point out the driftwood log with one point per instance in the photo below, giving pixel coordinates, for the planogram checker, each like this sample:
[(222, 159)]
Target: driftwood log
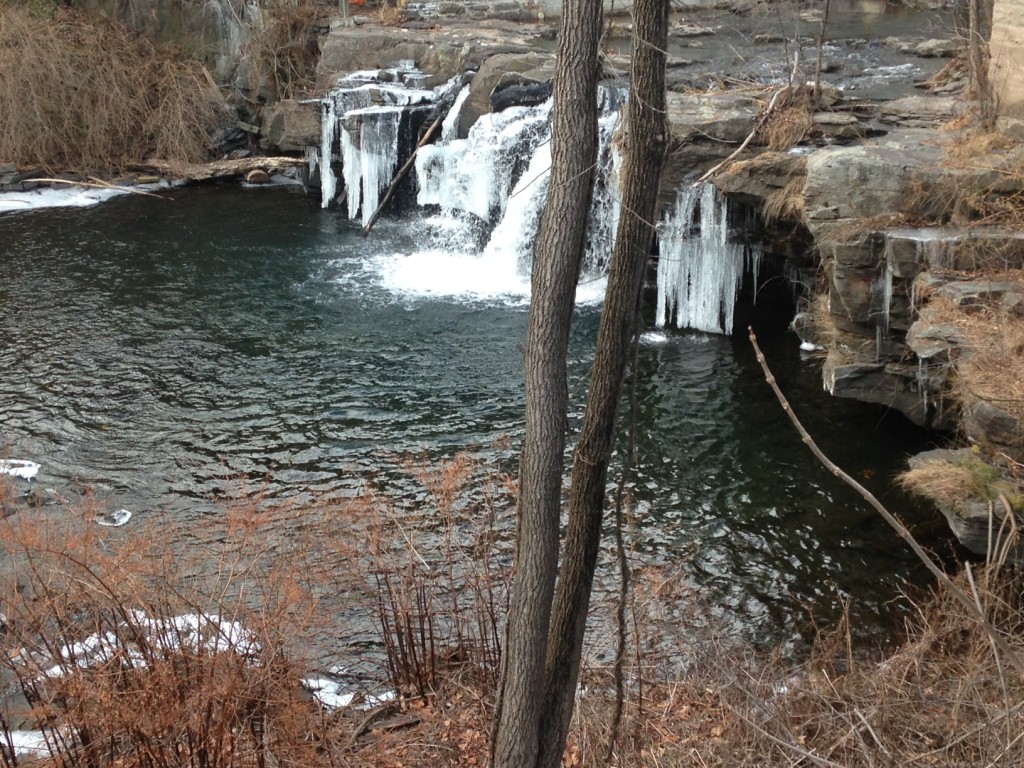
[(219, 169)]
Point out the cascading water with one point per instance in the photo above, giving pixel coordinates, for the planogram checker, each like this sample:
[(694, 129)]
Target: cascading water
[(700, 270)]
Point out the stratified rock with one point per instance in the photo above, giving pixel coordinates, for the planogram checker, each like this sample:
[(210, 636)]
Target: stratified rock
[(889, 384), (934, 341), (922, 111)]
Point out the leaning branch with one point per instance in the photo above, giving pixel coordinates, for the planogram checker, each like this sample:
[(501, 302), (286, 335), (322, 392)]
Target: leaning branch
[(427, 136), (1012, 658)]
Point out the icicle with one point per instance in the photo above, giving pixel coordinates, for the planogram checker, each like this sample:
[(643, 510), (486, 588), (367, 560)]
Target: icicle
[(328, 130), (700, 271), (887, 285)]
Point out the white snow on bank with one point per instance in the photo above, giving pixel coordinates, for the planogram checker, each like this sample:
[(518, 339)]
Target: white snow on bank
[(22, 468), (114, 519), (68, 196), (332, 695), (29, 743)]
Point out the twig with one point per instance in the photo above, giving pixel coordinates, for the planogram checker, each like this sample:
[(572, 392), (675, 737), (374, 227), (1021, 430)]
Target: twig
[(1012, 658)]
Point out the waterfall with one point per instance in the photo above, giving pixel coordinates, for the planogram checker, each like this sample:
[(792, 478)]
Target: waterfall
[(489, 188), (700, 271), (475, 174)]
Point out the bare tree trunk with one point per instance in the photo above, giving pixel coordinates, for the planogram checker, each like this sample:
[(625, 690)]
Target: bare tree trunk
[(645, 144), (556, 267)]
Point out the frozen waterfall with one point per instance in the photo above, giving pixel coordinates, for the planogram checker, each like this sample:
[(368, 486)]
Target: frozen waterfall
[(700, 271), (363, 114)]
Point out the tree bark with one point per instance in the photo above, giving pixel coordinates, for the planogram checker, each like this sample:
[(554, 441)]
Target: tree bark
[(644, 145), (556, 267)]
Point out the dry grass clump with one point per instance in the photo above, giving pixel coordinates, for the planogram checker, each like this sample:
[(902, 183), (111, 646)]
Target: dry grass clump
[(89, 96), (954, 482), (990, 366), (790, 121), (786, 203)]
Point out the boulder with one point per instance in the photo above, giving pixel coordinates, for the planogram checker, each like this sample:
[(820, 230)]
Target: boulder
[(503, 70), (291, 126)]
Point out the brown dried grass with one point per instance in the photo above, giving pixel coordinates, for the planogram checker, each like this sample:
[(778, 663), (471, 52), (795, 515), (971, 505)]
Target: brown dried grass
[(991, 364), (952, 482), (90, 96)]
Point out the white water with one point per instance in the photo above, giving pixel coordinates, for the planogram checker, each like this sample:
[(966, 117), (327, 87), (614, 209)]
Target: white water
[(700, 271)]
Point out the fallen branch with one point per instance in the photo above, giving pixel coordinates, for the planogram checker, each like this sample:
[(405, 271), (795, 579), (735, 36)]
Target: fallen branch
[(1009, 655)]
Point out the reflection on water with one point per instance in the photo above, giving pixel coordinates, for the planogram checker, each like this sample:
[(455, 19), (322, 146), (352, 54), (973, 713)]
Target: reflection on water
[(160, 354)]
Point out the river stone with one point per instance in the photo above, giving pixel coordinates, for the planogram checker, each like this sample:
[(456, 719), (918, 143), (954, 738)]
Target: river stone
[(291, 125), (839, 125)]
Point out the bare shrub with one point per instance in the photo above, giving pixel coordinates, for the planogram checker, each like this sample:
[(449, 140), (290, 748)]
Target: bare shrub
[(442, 576), (283, 49), (89, 96), (142, 654)]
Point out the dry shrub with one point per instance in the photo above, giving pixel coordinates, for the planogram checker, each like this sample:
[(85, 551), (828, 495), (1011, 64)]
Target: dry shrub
[(283, 50), (90, 96), (790, 121), (145, 646), (991, 364), (441, 571)]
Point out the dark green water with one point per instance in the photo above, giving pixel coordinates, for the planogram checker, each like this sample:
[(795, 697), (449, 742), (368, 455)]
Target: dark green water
[(158, 354)]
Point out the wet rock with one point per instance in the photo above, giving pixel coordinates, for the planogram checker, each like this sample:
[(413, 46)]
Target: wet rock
[(892, 385), (291, 126), (504, 69)]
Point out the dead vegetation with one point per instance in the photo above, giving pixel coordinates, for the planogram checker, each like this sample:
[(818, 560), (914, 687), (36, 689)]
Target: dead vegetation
[(133, 655), (89, 96)]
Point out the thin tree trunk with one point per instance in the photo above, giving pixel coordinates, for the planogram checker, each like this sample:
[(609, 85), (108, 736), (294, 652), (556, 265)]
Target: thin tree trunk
[(556, 267), (645, 144)]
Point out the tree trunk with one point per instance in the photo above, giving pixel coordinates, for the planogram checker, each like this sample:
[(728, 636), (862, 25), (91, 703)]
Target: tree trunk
[(1008, 57), (645, 144), (556, 268)]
